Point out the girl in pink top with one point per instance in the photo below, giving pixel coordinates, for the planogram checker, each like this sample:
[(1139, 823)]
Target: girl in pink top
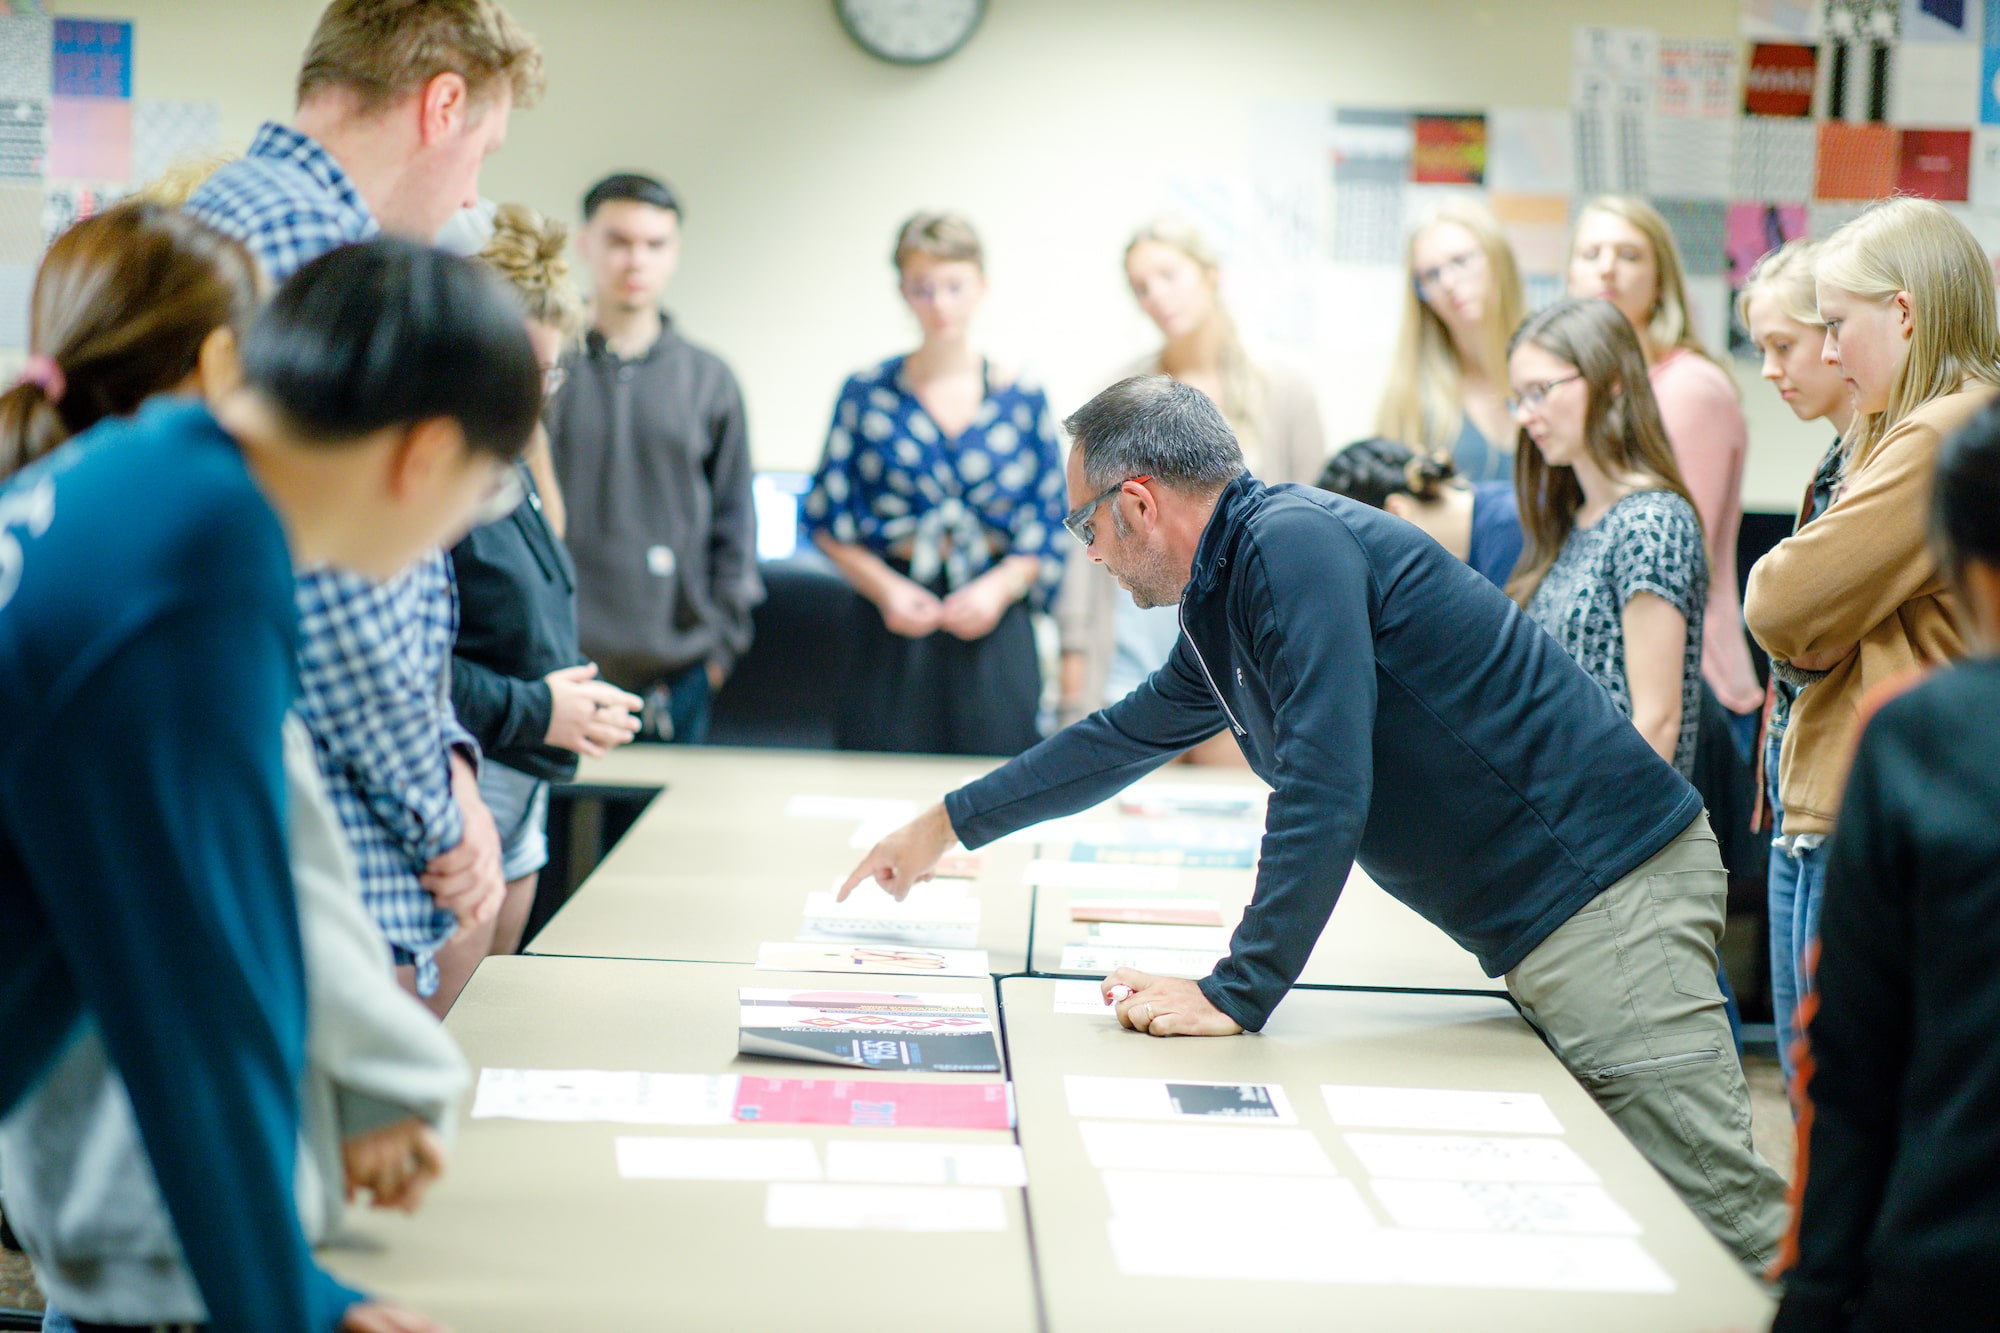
[(1623, 253)]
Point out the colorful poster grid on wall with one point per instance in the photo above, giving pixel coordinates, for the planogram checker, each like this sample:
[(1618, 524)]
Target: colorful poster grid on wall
[(1733, 141), (73, 139)]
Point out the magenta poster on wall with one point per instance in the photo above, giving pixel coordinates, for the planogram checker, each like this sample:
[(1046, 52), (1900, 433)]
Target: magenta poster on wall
[(1752, 230)]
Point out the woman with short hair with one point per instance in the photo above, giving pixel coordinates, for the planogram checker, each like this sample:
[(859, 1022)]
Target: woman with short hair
[(940, 499)]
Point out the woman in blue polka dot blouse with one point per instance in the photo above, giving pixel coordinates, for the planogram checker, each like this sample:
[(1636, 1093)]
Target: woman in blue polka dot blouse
[(940, 498)]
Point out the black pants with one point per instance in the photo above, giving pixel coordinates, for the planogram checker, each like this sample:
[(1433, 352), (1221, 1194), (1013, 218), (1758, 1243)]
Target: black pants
[(941, 695)]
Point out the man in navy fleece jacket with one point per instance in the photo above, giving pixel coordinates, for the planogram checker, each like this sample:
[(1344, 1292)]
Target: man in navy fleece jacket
[(1409, 717)]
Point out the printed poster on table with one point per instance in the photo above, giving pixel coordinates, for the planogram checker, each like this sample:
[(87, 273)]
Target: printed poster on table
[(942, 1033)]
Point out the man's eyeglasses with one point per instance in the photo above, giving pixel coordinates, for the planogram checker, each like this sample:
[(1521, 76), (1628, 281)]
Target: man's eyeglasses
[(1536, 394), (1078, 520)]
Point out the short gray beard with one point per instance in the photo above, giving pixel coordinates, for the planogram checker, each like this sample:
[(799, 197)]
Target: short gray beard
[(1152, 580)]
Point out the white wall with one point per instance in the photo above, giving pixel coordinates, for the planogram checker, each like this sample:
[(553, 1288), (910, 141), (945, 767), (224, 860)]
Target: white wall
[(1059, 127)]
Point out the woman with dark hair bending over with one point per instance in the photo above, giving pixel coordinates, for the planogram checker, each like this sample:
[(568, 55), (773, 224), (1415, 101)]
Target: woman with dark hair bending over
[(1480, 522)]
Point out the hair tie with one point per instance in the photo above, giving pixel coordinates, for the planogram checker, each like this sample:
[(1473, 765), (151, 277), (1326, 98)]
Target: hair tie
[(42, 371)]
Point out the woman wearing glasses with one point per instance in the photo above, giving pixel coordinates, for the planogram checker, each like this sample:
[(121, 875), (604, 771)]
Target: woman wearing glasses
[(1447, 386), (940, 499), (516, 682), (1623, 252), (1109, 645), (1613, 566)]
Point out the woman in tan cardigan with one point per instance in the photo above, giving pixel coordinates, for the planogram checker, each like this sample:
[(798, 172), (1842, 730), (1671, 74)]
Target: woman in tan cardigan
[(1109, 645), (1856, 596)]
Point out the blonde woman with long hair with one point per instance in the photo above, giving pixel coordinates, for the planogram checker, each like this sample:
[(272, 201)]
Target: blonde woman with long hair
[(1623, 252), (1109, 645), (1446, 394), (1857, 596), (1780, 308)]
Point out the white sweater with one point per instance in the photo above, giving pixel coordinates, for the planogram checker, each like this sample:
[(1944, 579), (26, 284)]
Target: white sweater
[(80, 1191)]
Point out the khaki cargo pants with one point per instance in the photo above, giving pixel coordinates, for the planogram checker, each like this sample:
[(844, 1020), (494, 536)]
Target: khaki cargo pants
[(1625, 994)]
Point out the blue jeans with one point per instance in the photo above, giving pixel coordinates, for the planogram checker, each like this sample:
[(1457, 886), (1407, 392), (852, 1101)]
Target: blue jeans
[(683, 699), (1797, 884)]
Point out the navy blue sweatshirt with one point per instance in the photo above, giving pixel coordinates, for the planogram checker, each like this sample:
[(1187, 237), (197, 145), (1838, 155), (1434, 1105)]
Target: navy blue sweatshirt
[(1900, 1227), (516, 624), (147, 642), (1407, 716)]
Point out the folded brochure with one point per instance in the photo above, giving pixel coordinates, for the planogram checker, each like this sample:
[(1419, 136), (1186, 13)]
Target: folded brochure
[(945, 1033)]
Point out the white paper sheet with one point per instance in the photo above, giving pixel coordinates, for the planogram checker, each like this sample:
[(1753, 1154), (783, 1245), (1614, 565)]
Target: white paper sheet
[(937, 914), (717, 1159), (861, 809), (1457, 1157), (1070, 828), (1105, 959), (1191, 1199), (1936, 84), (872, 831), (626, 1097), (1173, 800), (1083, 997), (1095, 1097), (1986, 168), (1493, 1205), (1364, 1107), (1145, 935), (1390, 1257), (892, 959), (1238, 1149), (1173, 910), (1612, 77), (888, 1162), (1775, 156), (1101, 875), (885, 1208), (1180, 834), (1528, 151)]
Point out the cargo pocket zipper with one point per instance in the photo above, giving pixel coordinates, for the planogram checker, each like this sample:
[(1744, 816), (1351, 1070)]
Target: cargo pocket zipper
[(1657, 1062)]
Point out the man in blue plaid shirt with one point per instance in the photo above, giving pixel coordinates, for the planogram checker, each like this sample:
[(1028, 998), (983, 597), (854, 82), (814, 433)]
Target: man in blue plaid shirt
[(398, 105)]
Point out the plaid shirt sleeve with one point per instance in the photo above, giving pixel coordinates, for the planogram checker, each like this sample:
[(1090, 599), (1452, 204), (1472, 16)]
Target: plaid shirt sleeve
[(368, 690), (286, 199)]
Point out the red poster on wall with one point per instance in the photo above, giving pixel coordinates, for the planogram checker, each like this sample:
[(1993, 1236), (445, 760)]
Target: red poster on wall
[(1779, 81), (1935, 164), (1450, 150)]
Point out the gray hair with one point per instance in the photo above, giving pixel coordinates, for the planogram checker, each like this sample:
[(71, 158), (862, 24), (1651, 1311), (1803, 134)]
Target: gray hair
[(1151, 425)]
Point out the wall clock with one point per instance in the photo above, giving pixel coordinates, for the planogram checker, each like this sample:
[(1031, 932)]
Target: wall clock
[(910, 32)]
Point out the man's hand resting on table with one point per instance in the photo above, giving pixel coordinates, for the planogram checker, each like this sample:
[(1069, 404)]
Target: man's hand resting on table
[(1167, 1006), (466, 880), (906, 857)]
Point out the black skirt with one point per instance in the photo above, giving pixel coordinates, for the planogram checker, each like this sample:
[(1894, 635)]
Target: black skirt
[(941, 695)]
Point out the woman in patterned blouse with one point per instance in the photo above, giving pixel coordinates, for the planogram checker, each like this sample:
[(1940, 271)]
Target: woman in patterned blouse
[(940, 498), (1613, 565)]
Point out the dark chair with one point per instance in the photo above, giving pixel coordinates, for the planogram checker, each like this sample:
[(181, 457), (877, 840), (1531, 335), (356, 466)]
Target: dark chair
[(787, 688)]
